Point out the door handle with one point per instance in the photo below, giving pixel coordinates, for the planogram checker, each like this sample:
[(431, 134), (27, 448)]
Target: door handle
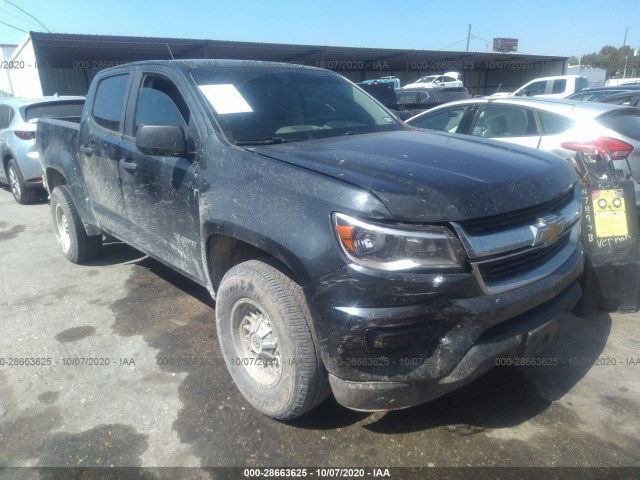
[(88, 151), (128, 166)]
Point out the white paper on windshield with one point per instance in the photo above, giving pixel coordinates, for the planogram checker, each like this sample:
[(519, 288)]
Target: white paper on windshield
[(225, 98)]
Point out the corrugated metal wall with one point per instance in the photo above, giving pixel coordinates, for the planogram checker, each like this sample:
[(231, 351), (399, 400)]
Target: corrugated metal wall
[(66, 81), (507, 76)]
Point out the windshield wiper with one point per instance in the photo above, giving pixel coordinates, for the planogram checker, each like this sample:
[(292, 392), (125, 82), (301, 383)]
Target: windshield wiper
[(262, 141)]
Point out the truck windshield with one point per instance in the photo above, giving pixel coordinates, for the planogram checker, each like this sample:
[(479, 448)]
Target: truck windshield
[(280, 104)]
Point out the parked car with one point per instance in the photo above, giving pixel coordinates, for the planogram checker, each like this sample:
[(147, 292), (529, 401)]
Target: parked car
[(595, 94), (346, 251), (630, 99), (385, 93), (395, 81), (20, 166), (547, 124), (405, 103), (449, 79), (550, 87), (417, 100)]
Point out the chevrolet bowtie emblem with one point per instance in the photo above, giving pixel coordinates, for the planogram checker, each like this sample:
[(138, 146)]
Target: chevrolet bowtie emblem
[(547, 229)]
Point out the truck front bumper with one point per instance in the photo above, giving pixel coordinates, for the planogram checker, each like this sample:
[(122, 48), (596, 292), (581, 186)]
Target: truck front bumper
[(391, 341), (520, 337)]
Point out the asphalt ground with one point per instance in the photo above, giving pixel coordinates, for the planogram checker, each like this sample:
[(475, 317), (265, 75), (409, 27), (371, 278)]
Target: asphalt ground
[(116, 363)]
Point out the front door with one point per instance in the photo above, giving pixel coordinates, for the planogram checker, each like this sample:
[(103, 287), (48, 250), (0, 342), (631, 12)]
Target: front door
[(161, 194)]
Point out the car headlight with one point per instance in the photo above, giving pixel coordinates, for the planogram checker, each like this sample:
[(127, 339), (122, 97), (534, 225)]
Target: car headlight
[(395, 249)]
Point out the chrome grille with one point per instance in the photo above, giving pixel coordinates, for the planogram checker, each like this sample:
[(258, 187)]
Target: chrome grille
[(497, 270), (511, 253), (495, 223)]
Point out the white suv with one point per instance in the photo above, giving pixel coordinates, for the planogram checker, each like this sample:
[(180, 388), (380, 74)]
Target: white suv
[(449, 79)]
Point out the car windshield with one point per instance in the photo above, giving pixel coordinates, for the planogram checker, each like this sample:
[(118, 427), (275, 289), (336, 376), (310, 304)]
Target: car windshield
[(287, 103), (429, 79), (412, 97), (62, 109)]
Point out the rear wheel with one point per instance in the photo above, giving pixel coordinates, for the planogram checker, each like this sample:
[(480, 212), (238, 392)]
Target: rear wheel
[(21, 193), (76, 245), (263, 324)]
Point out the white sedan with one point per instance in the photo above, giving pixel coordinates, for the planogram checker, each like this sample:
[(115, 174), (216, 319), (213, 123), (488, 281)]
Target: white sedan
[(558, 126)]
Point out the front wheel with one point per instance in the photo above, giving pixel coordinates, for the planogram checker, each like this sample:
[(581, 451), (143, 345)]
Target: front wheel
[(76, 245), (263, 324)]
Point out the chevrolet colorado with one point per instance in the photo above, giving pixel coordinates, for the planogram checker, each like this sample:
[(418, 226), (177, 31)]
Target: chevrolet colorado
[(347, 252)]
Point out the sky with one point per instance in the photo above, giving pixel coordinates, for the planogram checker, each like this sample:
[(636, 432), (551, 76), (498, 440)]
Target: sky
[(544, 27)]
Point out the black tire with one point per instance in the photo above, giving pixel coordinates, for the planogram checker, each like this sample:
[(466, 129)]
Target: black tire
[(22, 194), (291, 378), (76, 245)]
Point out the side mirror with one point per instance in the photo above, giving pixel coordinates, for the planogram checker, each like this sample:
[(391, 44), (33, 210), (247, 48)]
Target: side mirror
[(161, 140)]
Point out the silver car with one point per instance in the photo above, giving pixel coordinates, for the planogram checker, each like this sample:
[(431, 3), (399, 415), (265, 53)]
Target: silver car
[(555, 125), (20, 167)]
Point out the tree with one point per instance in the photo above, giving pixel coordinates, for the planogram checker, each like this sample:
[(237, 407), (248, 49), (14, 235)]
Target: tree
[(614, 60)]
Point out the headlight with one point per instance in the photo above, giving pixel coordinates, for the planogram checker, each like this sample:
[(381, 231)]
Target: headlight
[(385, 248)]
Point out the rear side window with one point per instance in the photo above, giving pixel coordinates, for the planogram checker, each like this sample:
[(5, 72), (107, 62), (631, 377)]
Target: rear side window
[(581, 83), (107, 107), (6, 115), (553, 124), (559, 86), (626, 122), (55, 110), (446, 120), (412, 97)]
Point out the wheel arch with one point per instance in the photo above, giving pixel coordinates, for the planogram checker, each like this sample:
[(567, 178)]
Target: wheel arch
[(6, 156), (224, 251), (54, 177)]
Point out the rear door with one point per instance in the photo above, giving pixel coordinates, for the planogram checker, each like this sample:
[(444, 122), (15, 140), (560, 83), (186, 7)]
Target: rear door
[(99, 153), (161, 194), (553, 127), (559, 88)]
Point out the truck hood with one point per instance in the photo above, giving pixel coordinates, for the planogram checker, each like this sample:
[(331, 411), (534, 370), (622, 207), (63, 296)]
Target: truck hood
[(431, 176)]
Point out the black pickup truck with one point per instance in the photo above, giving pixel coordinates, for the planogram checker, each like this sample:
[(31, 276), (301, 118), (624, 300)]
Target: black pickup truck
[(346, 251)]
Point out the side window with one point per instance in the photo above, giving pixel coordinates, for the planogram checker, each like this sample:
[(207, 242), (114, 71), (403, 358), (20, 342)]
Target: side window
[(109, 99), (581, 83), (559, 86), (497, 121), (447, 120), (536, 88), (5, 116), (160, 103), (553, 124)]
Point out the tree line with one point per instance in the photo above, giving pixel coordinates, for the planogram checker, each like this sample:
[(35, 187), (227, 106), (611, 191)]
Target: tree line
[(618, 62)]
